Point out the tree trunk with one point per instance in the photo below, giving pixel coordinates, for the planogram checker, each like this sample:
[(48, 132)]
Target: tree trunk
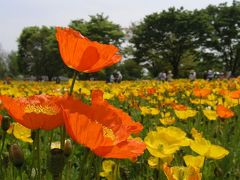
[(175, 70), (50, 78), (236, 62)]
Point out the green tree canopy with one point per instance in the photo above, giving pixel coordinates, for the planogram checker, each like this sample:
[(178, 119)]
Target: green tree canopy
[(130, 70), (99, 28), (3, 67), (38, 52), (164, 38), (221, 44), (13, 64)]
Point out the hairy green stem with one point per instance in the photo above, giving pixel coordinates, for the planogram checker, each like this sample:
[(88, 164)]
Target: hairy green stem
[(68, 169), (116, 172), (73, 82), (63, 137), (38, 154), (3, 142)]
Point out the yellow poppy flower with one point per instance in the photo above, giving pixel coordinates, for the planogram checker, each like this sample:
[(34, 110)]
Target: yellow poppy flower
[(108, 95), (169, 100), (144, 110), (217, 152), (153, 162), (167, 119), (204, 147), (85, 91), (165, 141), (210, 114), (107, 166), (147, 110), (194, 161), (195, 133), (231, 102), (20, 132), (188, 93), (197, 101), (154, 111), (212, 97), (183, 115), (210, 103)]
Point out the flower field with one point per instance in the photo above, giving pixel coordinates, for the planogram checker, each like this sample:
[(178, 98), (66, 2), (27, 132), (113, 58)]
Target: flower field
[(129, 130)]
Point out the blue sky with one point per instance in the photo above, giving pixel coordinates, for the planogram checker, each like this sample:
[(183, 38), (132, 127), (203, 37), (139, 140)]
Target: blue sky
[(17, 14)]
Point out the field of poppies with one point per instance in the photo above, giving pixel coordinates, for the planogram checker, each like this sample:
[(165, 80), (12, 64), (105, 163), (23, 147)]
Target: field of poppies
[(178, 130), (190, 130)]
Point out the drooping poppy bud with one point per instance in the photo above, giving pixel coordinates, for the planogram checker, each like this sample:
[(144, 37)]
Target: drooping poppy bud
[(67, 148), (56, 162), (5, 123), (16, 155)]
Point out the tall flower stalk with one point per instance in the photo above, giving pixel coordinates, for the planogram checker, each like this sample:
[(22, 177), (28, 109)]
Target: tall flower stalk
[(63, 136), (37, 139)]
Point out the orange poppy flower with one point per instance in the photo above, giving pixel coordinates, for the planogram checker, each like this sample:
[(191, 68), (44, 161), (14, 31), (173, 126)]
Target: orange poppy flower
[(102, 128), (235, 94), (202, 93), (224, 112), (97, 100), (121, 97), (151, 91), (223, 92), (179, 107), (35, 112), (126, 149), (181, 172), (83, 55)]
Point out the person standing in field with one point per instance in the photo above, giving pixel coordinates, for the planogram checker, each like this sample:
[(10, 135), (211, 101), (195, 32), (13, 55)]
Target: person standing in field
[(192, 75), (118, 77), (210, 75), (169, 76), (162, 76)]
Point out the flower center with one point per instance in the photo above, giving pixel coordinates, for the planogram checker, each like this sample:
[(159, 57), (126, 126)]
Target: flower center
[(39, 109), (108, 133)]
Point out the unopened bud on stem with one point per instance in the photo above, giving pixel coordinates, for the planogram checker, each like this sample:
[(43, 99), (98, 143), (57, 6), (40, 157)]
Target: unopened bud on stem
[(16, 155), (67, 148), (56, 162), (5, 123)]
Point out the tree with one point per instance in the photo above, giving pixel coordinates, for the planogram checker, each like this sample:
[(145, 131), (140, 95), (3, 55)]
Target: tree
[(54, 65), (38, 52), (13, 64), (99, 28), (221, 45), (130, 70), (3, 67), (163, 39)]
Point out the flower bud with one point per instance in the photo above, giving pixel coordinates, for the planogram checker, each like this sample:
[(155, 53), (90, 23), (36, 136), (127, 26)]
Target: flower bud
[(56, 162), (16, 155), (5, 123), (67, 148)]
